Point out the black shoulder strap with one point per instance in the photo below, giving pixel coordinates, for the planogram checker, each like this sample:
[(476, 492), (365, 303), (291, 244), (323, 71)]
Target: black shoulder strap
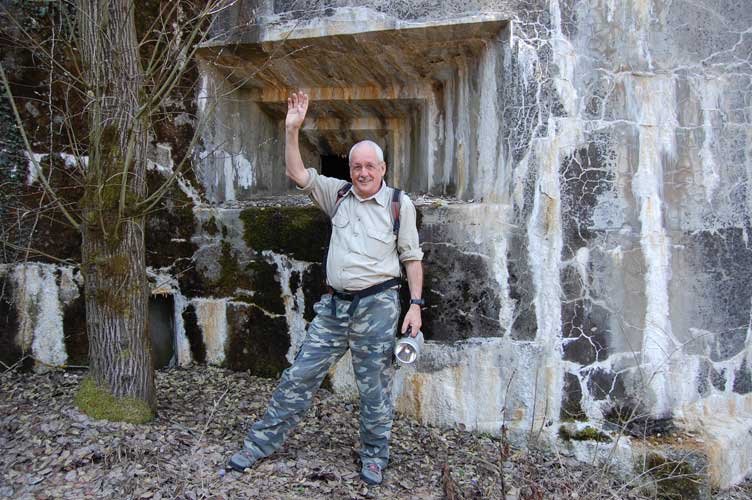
[(343, 191), (396, 199), (340, 194)]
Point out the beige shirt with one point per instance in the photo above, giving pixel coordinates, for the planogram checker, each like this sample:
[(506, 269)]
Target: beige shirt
[(362, 251)]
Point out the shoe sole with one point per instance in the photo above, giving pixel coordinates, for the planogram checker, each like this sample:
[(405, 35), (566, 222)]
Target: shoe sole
[(233, 466), (369, 481)]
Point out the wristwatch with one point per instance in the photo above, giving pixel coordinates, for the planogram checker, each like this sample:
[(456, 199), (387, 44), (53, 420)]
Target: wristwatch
[(420, 302)]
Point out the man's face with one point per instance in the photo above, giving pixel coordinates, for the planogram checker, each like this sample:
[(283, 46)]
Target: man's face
[(366, 171)]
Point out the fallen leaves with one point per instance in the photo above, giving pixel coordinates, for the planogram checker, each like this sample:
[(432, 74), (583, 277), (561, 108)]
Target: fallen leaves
[(48, 449)]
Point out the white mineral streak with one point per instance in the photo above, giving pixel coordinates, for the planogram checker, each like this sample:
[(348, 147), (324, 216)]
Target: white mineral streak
[(581, 260), (651, 100), (73, 161), (40, 315), (211, 315), (641, 16), (544, 254), (236, 170), (203, 92), (182, 345), (70, 284), (565, 57), (245, 171), (228, 175), (165, 165), (488, 125), (500, 270), (33, 173), (69, 161), (709, 95), (610, 11), (544, 229), (294, 301), (528, 60)]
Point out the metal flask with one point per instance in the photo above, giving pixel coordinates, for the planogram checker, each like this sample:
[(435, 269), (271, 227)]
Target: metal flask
[(407, 350)]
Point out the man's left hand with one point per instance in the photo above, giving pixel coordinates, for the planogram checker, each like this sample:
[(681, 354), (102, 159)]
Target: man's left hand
[(412, 320)]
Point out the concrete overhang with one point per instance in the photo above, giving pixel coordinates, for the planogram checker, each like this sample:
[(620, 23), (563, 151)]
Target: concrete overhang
[(354, 48)]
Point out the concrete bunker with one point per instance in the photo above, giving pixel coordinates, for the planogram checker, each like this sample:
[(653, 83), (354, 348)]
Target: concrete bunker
[(426, 91), (422, 90)]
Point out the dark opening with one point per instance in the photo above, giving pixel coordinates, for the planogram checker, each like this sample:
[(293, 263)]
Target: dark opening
[(335, 166), (161, 328)]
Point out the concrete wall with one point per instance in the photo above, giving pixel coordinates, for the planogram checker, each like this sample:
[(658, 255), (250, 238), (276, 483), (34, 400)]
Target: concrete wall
[(616, 136)]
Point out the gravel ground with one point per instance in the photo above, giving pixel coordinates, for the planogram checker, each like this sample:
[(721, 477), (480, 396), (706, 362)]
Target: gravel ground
[(50, 450)]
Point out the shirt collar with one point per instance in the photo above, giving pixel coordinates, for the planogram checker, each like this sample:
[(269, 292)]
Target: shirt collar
[(381, 196)]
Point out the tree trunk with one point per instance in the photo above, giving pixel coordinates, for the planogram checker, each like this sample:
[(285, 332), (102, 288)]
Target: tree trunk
[(113, 253)]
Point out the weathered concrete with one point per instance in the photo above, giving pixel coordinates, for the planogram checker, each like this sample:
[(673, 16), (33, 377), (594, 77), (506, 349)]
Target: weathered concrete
[(592, 268), (616, 137)]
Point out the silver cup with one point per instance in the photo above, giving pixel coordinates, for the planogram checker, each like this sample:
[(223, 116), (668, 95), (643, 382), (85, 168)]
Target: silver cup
[(407, 350)]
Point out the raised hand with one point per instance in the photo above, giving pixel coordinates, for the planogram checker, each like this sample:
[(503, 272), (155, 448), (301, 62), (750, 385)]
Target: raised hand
[(297, 105)]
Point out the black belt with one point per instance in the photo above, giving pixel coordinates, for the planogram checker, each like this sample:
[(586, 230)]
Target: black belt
[(355, 297)]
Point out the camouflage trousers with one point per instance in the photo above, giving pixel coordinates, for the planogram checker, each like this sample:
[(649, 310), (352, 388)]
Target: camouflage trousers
[(370, 336)]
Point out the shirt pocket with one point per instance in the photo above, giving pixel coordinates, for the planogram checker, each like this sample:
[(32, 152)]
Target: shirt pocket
[(380, 244), (340, 219)]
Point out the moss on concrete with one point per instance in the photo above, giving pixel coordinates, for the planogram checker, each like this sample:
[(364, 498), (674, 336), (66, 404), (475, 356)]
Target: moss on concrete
[(585, 434), (210, 226), (300, 232), (98, 402), (193, 332), (675, 479), (265, 284), (313, 282), (257, 342), (571, 409), (170, 228)]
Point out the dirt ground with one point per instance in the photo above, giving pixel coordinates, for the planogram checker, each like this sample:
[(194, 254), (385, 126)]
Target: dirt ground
[(48, 450)]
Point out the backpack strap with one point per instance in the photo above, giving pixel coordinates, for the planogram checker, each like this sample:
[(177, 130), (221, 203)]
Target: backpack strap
[(340, 194), (395, 206)]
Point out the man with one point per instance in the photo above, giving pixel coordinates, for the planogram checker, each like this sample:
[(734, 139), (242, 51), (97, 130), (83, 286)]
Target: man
[(361, 313)]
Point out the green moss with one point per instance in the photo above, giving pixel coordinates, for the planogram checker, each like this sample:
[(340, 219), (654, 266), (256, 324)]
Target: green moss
[(585, 434), (257, 342), (210, 226), (300, 232), (114, 266), (232, 276), (266, 286), (174, 217), (111, 299), (99, 403), (258, 276), (674, 479)]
